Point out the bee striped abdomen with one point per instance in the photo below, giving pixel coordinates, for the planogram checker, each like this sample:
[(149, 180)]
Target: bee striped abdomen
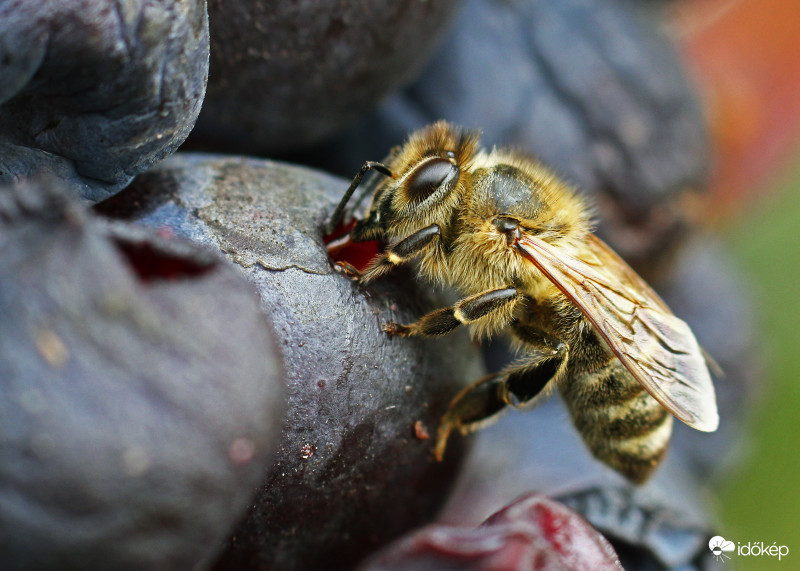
[(620, 422)]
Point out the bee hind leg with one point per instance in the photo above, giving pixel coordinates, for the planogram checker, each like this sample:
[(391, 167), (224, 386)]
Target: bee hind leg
[(465, 311), (482, 402)]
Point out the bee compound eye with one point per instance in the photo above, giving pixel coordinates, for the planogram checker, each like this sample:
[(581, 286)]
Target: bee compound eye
[(428, 177)]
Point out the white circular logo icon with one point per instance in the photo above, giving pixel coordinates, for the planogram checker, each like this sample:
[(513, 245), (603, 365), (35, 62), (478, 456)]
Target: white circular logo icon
[(719, 546)]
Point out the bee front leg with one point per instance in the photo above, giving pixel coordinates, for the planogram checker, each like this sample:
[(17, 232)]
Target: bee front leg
[(482, 402), (339, 213), (465, 311), (394, 254)]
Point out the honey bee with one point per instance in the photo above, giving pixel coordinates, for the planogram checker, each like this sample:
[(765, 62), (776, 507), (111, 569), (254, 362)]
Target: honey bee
[(517, 243)]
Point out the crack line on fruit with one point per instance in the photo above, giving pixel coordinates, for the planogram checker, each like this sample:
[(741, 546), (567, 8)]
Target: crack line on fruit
[(290, 267)]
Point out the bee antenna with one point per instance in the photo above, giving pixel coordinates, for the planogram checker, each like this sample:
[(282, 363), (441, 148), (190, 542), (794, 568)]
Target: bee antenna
[(338, 214)]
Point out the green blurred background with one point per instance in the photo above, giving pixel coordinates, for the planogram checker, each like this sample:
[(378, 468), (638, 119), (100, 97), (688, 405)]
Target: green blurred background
[(745, 58), (760, 501)]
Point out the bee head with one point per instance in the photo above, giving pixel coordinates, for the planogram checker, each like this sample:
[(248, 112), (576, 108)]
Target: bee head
[(426, 182)]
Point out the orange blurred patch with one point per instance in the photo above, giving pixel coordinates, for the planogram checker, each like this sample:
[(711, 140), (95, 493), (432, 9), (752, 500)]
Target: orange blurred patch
[(745, 56)]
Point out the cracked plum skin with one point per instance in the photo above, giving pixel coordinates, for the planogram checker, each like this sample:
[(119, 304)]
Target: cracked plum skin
[(351, 471), (138, 406), (532, 533)]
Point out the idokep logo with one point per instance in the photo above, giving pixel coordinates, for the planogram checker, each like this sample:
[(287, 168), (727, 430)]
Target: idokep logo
[(721, 548)]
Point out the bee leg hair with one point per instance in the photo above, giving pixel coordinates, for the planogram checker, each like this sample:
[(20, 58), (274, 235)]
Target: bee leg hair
[(465, 311), (482, 402), (401, 252)]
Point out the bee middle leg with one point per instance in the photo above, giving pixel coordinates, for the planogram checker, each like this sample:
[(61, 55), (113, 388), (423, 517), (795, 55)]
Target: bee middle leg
[(465, 311), (482, 402)]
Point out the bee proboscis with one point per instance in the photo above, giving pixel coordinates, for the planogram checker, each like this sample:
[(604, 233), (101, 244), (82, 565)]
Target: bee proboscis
[(515, 241)]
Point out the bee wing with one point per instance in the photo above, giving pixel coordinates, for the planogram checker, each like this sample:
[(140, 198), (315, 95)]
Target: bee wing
[(658, 349)]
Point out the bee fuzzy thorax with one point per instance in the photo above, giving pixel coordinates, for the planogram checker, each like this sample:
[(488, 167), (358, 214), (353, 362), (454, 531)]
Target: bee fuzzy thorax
[(515, 242)]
